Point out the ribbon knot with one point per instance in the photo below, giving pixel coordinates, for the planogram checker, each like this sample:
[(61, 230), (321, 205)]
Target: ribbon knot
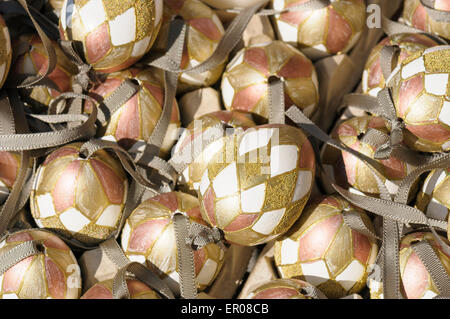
[(200, 236)]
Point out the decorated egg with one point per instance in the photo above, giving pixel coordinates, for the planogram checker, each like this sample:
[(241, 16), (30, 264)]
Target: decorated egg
[(416, 282), (231, 4), (322, 250), (280, 289), (331, 30), (115, 34), (203, 35), (9, 168), (373, 80), (51, 274), (55, 6), (350, 172), (133, 123), (34, 61), (232, 119), (434, 196), (256, 185), (421, 94), (104, 290), (415, 15), (244, 82), (79, 198), (5, 51), (149, 237)]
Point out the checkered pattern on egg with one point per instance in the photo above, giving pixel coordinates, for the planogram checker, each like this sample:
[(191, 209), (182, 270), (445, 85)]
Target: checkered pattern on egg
[(434, 197), (350, 172), (415, 14), (415, 280), (133, 123), (148, 237), (331, 30), (256, 186), (48, 275), (34, 61), (9, 168), (5, 51), (244, 82), (280, 289), (104, 290), (205, 30), (373, 80), (325, 252), (79, 198), (115, 33), (232, 119), (421, 93)]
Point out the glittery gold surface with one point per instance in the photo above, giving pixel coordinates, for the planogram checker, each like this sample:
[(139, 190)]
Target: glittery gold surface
[(277, 193), (122, 55), (437, 61)]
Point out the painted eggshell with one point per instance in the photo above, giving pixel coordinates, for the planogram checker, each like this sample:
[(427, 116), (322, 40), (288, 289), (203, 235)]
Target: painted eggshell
[(256, 185), (79, 198), (51, 274), (5, 51), (9, 168), (115, 34), (280, 289), (349, 171), (34, 61), (421, 94), (232, 119), (137, 289), (204, 33), (415, 15), (434, 196), (148, 237), (416, 282), (373, 80), (322, 250), (331, 30), (244, 82), (133, 123)]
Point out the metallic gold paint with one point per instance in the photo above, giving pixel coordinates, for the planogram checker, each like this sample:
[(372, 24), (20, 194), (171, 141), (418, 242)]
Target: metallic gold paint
[(257, 184), (330, 30), (5, 51), (148, 237), (34, 61), (421, 94), (133, 123), (80, 199), (348, 171), (50, 274), (115, 34), (320, 237), (373, 80), (204, 33), (244, 82), (415, 280), (414, 14), (280, 289), (137, 289), (233, 119)]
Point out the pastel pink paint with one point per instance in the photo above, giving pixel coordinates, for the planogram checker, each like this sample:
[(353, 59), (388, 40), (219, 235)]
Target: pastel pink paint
[(242, 221), (112, 184), (8, 168), (13, 276), (257, 58), (339, 33), (98, 43), (98, 291), (361, 247), (276, 293), (55, 279), (247, 98), (143, 236), (414, 278), (64, 192), (317, 239), (408, 92), (207, 27)]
